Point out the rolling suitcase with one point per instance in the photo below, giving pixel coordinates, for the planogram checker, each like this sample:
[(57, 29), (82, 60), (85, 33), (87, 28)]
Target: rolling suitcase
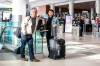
[(57, 48), (61, 43), (57, 44)]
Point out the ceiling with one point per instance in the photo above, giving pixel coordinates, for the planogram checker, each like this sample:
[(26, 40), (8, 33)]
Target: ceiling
[(82, 6), (85, 5), (10, 1), (5, 1)]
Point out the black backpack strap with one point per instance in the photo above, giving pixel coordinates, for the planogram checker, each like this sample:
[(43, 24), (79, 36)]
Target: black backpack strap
[(29, 18)]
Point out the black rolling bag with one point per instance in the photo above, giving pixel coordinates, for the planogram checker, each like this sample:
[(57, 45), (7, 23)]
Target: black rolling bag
[(57, 48)]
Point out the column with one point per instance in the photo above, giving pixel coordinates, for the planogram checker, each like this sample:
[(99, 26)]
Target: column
[(71, 8), (52, 6), (97, 6), (28, 8), (18, 14), (71, 13), (60, 10), (92, 13), (18, 10)]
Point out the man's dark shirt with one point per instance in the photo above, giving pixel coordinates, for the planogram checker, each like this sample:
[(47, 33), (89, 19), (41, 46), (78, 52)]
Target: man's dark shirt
[(48, 26)]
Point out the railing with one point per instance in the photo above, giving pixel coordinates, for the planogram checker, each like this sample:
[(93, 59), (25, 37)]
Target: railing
[(6, 32), (7, 37)]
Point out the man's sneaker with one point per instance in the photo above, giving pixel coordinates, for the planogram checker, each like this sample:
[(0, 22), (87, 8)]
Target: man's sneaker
[(24, 59), (35, 60)]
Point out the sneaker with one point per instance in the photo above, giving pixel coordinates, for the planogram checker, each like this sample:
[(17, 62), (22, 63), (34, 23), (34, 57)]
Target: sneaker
[(35, 60), (48, 56), (24, 59)]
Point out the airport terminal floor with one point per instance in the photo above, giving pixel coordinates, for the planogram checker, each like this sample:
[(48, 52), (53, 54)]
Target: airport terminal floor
[(77, 17), (83, 51)]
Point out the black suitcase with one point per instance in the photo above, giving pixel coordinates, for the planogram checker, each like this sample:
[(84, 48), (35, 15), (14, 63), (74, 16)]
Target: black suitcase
[(57, 49)]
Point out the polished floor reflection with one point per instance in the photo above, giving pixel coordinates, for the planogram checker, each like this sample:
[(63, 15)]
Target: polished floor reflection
[(79, 52)]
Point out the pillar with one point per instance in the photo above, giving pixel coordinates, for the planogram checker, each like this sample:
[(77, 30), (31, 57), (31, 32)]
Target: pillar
[(92, 13), (71, 8), (97, 6), (60, 10), (52, 6), (18, 10)]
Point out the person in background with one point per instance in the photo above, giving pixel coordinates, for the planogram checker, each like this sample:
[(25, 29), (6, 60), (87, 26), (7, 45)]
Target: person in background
[(28, 27), (87, 25), (97, 22), (93, 25), (50, 21), (87, 21), (81, 24), (93, 21)]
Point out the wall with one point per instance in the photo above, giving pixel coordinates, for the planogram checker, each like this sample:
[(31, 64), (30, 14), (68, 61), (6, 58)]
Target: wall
[(43, 9)]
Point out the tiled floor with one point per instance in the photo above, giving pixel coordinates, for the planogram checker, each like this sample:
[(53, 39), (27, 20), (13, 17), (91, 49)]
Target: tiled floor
[(79, 52), (9, 59)]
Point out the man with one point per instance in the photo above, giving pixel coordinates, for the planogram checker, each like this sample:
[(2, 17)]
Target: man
[(97, 22), (28, 27), (50, 22), (87, 21), (81, 24)]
